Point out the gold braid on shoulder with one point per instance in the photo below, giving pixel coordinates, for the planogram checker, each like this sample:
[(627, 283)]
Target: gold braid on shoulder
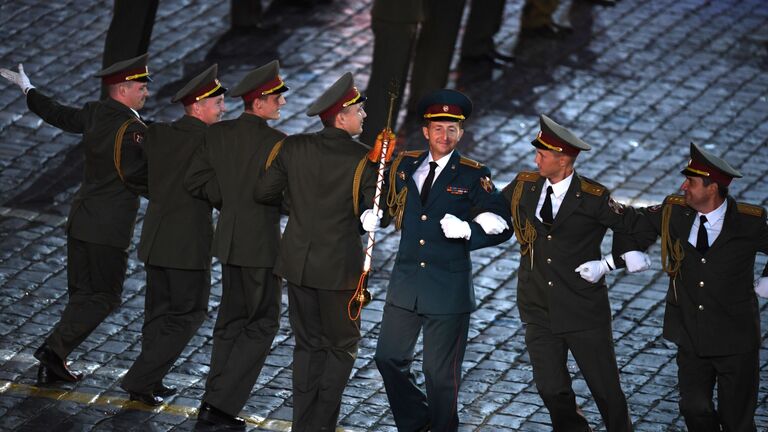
[(117, 149), (526, 235), (356, 184), (395, 200), (672, 254), (273, 154)]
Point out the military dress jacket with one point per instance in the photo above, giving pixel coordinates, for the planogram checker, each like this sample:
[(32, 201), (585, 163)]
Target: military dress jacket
[(550, 293), (433, 274), (178, 227), (104, 209), (711, 306), (321, 247), (233, 157)]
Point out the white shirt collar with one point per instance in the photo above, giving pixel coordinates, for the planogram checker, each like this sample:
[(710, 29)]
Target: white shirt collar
[(560, 188), (442, 162), (135, 112), (715, 215)]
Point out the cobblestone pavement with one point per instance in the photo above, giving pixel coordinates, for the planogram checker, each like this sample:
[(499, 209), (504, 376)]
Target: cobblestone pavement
[(638, 81)]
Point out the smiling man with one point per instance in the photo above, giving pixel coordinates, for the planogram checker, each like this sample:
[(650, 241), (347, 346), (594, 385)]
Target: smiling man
[(708, 248), (225, 170), (103, 212), (432, 197)]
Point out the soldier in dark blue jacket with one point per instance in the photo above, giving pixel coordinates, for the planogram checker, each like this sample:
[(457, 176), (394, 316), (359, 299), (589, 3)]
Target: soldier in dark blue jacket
[(432, 198)]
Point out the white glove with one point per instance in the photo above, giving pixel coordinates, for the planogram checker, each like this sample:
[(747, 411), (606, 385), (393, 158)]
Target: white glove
[(592, 271), (19, 78), (637, 261), (491, 222), (761, 287), (454, 227), (371, 222)]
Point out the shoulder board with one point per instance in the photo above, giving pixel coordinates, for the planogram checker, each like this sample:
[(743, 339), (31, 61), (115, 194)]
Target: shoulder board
[(592, 188), (529, 176), (413, 153), (750, 209), (675, 199), (470, 162)]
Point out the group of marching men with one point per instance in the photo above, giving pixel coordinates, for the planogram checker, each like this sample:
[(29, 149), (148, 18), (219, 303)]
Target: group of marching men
[(445, 205)]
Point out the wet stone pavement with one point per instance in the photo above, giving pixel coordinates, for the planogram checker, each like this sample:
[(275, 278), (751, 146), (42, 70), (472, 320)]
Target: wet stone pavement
[(639, 81)]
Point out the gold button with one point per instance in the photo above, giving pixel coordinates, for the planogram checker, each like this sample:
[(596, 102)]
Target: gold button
[(703, 260), (423, 264), (421, 242), (549, 260), (550, 283), (701, 284), (423, 217), (701, 307), (549, 237)]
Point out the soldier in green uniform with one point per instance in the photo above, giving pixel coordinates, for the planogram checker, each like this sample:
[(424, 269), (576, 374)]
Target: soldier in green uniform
[(225, 168), (103, 212), (321, 252), (175, 240), (432, 197), (708, 248), (560, 218)]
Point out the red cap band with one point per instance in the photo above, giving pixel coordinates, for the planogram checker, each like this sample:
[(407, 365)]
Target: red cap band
[(201, 93), (349, 98), (447, 112), (699, 169), (554, 143), (126, 75)]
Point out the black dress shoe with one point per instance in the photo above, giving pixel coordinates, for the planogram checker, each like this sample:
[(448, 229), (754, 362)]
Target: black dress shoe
[(45, 376), (212, 415), (164, 391), (549, 31), (493, 58), (55, 366), (146, 399)]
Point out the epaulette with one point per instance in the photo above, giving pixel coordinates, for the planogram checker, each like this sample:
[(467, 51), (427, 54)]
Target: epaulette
[(750, 209), (413, 153), (470, 162), (527, 176), (592, 188), (675, 199)]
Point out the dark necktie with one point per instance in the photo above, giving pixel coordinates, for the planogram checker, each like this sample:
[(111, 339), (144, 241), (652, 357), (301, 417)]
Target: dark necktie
[(428, 182), (702, 241), (546, 209)]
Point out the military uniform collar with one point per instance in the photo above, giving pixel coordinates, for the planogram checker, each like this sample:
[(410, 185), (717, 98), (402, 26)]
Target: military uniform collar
[(252, 118), (716, 214), (334, 132), (122, 107), (561, 187), (190, 122)]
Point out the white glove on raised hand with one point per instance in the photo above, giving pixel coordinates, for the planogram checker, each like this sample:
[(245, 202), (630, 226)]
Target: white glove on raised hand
[(592, 271), (637, 261), (454, 227), (371, 222), (19, 78), (491, 222), (761, 287)]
